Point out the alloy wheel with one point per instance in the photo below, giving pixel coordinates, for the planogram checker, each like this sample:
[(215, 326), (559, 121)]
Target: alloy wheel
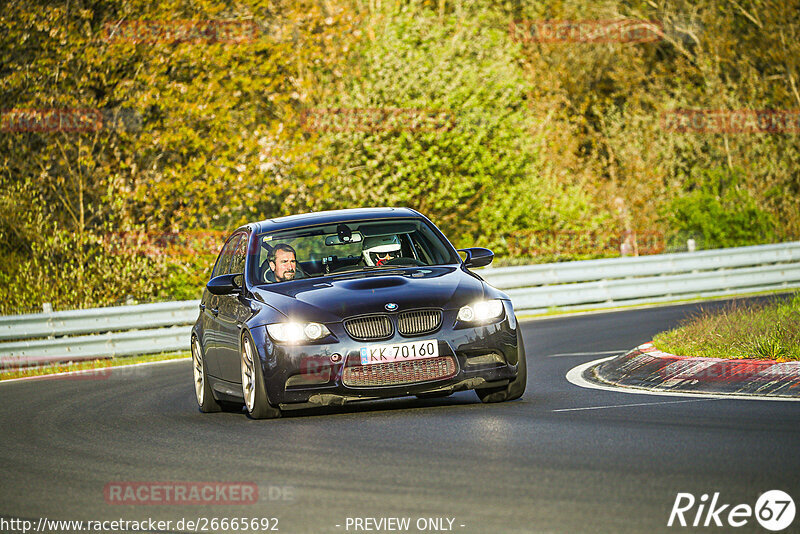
[(197, 361), (248, 375)]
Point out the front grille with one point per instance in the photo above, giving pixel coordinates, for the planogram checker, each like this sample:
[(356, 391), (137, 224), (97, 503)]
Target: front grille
[(369, 327), (413, 323), (399, 373)]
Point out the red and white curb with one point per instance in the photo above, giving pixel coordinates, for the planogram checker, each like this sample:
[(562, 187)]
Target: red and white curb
[(647, 370)]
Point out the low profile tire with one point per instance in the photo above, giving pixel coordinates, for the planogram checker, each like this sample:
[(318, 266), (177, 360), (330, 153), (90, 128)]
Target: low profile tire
[(205, 398), (515, 388), (253, 390)]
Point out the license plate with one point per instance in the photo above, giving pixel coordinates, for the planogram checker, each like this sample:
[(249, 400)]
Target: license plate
[(398, 352)]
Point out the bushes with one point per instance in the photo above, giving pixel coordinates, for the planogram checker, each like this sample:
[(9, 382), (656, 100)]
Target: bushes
[(719, 213), (76, 271), (604, 103), (456, 141), (511, 140), (209, 148)]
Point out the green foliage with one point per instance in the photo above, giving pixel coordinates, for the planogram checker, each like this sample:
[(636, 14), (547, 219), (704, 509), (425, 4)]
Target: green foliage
[(498, 141), (720, 212), (770, 347), (71, 270), (208, 148), (478, 174), (186, 276), (604, 102)]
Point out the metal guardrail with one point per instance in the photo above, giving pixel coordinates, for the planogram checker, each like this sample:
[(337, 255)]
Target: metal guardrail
[(618, 292), (656, 265), (98, 320), (74, 348), (636, 280), (165, 327), (117, 331)]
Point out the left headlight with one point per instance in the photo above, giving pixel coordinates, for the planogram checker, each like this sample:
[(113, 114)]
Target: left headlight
[(481, 311), (297, 332)]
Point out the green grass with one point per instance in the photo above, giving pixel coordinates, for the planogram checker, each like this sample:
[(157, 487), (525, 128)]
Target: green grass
[(762, 331), (7, 374), (555, 311)]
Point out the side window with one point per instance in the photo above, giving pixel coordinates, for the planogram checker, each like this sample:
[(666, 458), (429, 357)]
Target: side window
[(420, 245), (239, 255), (224, 261)]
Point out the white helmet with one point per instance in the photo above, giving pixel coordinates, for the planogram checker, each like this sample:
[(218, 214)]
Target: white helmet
[(379, 249)]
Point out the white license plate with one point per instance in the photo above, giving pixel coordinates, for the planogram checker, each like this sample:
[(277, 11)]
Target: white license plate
[(398, 352)]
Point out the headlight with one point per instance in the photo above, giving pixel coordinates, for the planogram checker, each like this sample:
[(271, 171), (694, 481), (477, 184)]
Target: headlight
[(297, 332), (481, 311)]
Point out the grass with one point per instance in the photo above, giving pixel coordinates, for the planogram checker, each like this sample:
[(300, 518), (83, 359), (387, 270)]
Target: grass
[(69, 367), (742, 330), (555, 311)]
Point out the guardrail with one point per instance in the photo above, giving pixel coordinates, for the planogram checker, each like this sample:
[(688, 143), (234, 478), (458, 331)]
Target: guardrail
[(635, 280), (65, 323), (118, 331), (655, 265), (165, 327)]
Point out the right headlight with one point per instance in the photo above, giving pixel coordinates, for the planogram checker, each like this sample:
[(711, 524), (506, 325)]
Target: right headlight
[(481, 311), (294, 332)]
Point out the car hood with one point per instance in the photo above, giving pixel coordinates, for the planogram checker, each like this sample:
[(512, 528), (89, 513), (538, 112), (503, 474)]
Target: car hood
[(332, 298)]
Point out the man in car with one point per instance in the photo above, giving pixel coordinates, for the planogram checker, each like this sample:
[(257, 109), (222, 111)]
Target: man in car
[(282, 264)]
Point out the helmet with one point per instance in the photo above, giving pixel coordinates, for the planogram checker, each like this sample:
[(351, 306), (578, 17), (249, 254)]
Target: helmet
[(377, 250)]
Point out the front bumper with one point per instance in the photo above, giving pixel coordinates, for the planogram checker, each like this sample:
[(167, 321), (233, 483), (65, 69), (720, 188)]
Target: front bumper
[(299, 376)]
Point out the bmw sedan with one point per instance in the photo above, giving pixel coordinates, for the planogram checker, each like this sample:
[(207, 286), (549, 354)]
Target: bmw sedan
[(334, 307)]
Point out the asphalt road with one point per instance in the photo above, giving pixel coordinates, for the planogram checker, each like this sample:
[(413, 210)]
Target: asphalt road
[(561, 459)]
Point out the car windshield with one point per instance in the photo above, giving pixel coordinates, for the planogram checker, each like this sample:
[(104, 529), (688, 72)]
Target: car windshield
[(323, 250)]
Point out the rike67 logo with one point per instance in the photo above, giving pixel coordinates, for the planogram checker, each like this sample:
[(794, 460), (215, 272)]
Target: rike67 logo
[(774, 510)]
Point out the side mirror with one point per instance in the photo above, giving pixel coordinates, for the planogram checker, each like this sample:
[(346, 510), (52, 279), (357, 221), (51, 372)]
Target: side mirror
[(225, 284), (477, 256)]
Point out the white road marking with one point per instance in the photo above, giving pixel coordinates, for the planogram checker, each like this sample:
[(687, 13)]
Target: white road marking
[(598, 353), (575, 377), (637, 404)]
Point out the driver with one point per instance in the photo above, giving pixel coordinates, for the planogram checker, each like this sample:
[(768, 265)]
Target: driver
[(377, 250), (283, 266)]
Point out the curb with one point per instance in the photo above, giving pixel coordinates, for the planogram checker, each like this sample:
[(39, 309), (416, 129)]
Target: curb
[(646, 367)]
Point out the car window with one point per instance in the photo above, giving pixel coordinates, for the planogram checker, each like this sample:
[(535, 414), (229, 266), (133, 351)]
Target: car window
[(321, 250), (239, 255), (224, 260)]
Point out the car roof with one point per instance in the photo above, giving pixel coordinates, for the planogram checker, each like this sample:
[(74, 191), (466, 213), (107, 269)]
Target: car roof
[(330, 217)]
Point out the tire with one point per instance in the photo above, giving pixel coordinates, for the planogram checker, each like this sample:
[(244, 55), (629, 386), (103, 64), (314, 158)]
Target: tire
[(202, 391), (253, 390), (515, 388)]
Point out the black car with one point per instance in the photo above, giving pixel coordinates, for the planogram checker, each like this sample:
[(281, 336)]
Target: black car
[(332, 307)]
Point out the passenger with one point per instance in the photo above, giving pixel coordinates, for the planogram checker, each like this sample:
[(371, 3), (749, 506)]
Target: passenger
[(380, 249)]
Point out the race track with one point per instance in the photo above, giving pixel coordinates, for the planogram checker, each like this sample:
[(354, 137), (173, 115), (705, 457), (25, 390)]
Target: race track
[(561, 459)]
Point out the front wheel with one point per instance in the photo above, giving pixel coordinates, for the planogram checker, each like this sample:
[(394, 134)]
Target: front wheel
[(253, 390), (205, 398), (514, 389)]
